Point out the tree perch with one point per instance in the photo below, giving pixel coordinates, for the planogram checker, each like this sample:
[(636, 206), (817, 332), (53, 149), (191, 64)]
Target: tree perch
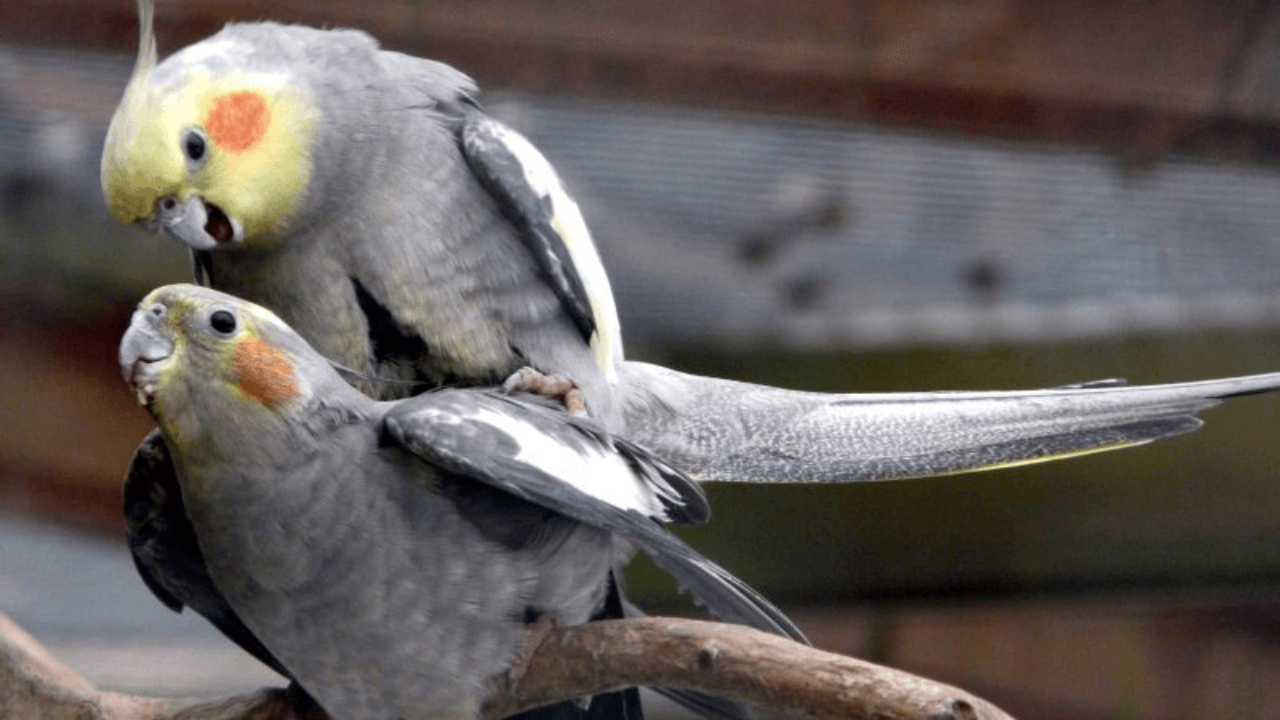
[(569, 662)]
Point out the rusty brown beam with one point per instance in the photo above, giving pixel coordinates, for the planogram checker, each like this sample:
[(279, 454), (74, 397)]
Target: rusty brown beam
[(1137, 79), (68, 423)]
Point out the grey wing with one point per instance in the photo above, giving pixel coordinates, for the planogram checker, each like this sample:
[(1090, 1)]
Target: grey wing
[(465, 431), (165, 550), (719, 430), (525, 188), (561, 463)]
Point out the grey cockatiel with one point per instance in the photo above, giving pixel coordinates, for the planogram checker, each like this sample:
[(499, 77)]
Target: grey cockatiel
[(365, 197), (389, 555)]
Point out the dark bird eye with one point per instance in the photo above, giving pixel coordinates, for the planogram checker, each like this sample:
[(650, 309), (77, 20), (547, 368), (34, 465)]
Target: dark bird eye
[(194, 145), (223, 322)]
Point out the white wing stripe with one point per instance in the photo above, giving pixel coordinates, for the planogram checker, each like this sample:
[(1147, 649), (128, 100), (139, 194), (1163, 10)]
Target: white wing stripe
[(567, 220), (600, 473)]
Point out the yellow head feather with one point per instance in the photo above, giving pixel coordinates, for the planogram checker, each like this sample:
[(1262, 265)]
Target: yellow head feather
[(259, 128), (133, 156), (146, 38)]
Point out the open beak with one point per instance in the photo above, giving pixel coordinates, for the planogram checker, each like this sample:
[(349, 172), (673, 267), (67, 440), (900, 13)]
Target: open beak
[(200, 225), (144, 349)]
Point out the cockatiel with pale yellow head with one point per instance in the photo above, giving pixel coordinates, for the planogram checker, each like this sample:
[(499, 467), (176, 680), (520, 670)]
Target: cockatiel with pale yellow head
[(367, 198)]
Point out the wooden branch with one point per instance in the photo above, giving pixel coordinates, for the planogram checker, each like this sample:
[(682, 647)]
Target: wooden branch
[(731, 660), (569, 662)]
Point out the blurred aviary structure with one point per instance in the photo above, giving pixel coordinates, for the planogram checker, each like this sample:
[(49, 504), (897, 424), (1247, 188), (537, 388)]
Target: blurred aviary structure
[(839, 196)]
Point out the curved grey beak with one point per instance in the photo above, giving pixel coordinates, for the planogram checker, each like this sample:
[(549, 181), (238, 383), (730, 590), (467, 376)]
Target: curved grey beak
[(144, 348), (197, 224)]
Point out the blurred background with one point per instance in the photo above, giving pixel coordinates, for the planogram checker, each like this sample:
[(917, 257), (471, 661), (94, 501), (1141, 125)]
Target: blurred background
[(856, 196)]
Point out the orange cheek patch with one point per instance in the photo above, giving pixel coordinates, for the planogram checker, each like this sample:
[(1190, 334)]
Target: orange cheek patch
[(265, 374), (238, 120)]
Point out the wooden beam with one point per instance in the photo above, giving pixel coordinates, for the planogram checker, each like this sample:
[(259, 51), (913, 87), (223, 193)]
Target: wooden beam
[(69, 421), (1140, 79)]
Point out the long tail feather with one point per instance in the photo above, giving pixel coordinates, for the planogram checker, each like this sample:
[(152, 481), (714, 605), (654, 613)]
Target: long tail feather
[(720, 430)]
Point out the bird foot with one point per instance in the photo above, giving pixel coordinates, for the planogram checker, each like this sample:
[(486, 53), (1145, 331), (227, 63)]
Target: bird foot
[(528, 380)]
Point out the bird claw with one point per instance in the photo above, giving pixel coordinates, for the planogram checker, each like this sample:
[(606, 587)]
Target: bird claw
[(528, 380)]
